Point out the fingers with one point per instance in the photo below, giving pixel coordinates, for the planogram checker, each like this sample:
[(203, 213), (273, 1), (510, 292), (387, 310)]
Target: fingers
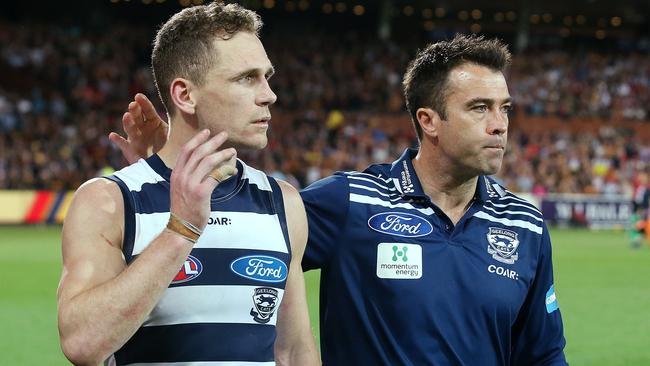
[(222, 172), (190, 193), (136, 114), (147, 109), (215, 168), (188, 149), (118, 140), (205, 149), (129, 125)]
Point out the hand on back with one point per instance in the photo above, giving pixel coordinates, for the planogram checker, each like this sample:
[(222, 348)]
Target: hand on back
[(146, 132)]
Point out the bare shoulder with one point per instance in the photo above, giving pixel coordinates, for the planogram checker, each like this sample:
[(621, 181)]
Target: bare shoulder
[(96, 209), (296, 216), (290, 195), (92, 237)]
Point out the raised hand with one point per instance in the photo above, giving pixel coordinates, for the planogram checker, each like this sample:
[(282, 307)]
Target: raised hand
[(146, 132), (193, 177)]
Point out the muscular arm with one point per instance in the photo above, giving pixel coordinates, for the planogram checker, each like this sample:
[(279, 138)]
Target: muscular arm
[(295, 343), (101, 300)]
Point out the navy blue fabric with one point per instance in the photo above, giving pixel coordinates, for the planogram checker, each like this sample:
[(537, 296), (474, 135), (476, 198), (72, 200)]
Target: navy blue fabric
[(460, 311), (129, 219), (199, 342), (278, 208)]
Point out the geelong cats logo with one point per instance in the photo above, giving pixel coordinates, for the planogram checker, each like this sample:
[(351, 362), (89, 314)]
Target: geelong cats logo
[(265, 300), (502, 244)]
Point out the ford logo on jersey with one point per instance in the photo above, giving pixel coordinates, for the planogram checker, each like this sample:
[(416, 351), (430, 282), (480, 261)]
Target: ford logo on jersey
[(191, 269), (400, 224), (260, 268)]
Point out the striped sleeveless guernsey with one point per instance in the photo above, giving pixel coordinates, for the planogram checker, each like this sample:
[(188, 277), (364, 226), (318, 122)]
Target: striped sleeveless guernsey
[(221, 308)]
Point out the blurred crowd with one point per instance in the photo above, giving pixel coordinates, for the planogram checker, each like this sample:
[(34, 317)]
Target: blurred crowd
[(340, 107)]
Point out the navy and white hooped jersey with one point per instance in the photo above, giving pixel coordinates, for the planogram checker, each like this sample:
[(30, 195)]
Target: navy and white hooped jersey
[(221, 308), (402, 285)]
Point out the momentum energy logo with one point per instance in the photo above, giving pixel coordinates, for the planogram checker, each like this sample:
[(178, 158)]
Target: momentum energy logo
[(399, 261), (260, 268), (400, 224)]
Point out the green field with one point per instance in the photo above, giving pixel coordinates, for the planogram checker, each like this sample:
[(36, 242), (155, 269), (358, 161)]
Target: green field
[(603, 289)]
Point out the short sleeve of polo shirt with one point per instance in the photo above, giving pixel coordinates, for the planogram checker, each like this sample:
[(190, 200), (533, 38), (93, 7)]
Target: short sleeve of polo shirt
[(538, 335), (326, 202)]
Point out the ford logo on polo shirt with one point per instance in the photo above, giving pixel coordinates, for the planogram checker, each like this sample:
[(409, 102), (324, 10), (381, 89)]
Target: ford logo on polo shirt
[(260, 268), (400, 224)]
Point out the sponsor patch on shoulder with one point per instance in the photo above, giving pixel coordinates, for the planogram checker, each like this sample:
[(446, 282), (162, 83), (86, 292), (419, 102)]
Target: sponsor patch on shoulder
[(551, 300), (400, 224)]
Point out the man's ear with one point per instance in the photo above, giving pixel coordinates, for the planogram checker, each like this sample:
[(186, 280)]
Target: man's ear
[(429, 121), (182, 98)]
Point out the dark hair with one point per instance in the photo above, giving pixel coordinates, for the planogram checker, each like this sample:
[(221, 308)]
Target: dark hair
[(425, 80), (183, 46)]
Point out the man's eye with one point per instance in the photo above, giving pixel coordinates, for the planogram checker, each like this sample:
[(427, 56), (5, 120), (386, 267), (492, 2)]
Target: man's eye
[(481, 108), (506, 109), (248, 78)]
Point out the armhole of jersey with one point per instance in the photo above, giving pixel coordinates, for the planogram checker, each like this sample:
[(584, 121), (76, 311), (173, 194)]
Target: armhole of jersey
[(278, 204), (129, 219)]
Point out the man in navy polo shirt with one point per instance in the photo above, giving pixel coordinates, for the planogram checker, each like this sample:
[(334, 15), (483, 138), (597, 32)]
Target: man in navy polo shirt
[(428, 261)]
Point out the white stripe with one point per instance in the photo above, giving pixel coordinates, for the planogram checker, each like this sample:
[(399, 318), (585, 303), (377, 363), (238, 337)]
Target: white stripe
[(207, 304), (515, 198), (516, 204), (396, 197), (373, 182), (256, 177), (237, 235), (379, 202), (137, 175), (205, 363), (518, 223), (513, 213), (351, 174)]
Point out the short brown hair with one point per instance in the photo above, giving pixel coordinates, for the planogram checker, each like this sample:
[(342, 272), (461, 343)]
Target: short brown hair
[(184, 44), (425, 80)]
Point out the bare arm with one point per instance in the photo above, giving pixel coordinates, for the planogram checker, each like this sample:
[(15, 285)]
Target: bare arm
[(295, 344), (101, 300)]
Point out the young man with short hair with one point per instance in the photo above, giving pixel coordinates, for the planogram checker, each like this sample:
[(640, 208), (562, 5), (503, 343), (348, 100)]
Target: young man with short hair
[(236, 235)]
